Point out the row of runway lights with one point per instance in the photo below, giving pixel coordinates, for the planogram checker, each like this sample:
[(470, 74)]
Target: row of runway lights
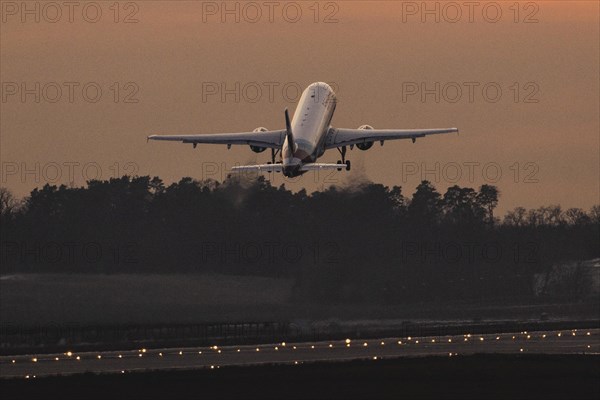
[(347, 342), (409, 339)]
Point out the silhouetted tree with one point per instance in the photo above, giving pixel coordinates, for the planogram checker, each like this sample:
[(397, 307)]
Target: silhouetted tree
[(576, 216), (365, 243), (425, 204), (487, 199), (516, 217), (8, 203), (460, 206), (595, 214)]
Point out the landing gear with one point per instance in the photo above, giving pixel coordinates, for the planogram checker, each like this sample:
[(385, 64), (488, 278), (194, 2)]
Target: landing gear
[(273, 154), (341, 165), (342, 151)]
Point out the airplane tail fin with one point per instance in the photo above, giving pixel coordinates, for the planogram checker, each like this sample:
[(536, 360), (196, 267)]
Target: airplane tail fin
[(288, 128)]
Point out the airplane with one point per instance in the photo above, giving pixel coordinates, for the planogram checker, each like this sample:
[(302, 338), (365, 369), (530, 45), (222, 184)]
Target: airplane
[(306, 137)]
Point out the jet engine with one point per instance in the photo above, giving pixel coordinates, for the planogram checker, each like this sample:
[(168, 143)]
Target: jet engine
[(258, 149), (365, 145)]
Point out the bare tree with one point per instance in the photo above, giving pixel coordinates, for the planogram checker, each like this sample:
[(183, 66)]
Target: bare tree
[(516, 217), (576, 216), (8, 203), (594, 214), (554, 215)]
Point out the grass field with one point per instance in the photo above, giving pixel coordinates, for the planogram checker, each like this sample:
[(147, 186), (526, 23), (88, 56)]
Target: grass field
[(88, 299), (39, 299)]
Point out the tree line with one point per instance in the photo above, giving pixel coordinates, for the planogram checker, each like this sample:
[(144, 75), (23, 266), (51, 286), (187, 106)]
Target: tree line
[(367, 243)]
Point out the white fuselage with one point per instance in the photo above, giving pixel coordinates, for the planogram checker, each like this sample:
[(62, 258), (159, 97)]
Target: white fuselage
[(310, 125)]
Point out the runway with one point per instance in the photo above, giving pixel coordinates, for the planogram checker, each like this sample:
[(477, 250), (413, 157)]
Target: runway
[(575, 341)]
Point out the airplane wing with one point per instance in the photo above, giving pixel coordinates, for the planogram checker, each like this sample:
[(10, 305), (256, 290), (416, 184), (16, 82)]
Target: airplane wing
[(345, 137), (270, 139)]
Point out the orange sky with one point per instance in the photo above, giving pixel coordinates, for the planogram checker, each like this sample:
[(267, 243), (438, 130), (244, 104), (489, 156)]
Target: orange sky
[(547, 151)]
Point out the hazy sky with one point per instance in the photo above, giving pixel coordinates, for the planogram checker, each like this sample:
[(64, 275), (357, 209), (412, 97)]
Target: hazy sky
[(521, 84)]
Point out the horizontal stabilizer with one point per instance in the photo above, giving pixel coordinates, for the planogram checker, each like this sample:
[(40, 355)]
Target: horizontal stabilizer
[(319, 166), (279, 167), (258, 167)]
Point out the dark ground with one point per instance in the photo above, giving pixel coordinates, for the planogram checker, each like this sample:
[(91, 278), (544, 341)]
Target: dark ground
[(470, 377)]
